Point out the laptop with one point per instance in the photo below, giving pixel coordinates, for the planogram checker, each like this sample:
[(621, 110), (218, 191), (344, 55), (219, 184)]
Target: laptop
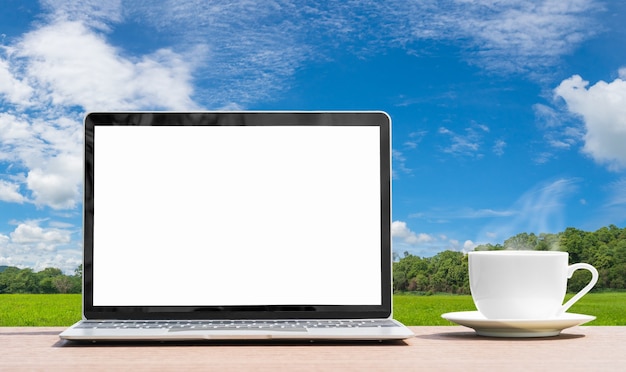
[(237, 226)]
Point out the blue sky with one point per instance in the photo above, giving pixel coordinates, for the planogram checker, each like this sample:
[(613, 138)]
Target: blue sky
[(508, 116)]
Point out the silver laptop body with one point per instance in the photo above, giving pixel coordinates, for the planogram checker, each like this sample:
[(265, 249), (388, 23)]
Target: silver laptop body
[(237, 225)]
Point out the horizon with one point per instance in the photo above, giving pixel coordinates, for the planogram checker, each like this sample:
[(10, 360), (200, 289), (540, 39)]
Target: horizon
[(507, 118), (397, 256)]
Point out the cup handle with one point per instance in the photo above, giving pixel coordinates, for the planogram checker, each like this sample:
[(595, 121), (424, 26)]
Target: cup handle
[(582, 292)]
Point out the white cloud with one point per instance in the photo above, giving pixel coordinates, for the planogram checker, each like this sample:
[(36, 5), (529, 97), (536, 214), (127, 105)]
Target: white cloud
[(46, 157), (400, 231), (547, 116), (242, 50), (465, 144), (16, 139), (3, 240), (247, 50), (603, 109), (617, 195), (13, 131), (524, 35), (561, 132), (31, 233), (469, 246), (491, 235), (506, 36), (57, 185), (37, 247), (9, 192), (399, 163), (543, 157), (96, 13), (70, 65), (14, 90), (613, 208), (420, 244), (415, 139), (498, 147), (462, 213), (541, 209), (274, 38), (53, 74)]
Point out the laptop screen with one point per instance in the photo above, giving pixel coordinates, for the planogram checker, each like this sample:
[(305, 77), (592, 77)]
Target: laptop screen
[(266, 213)]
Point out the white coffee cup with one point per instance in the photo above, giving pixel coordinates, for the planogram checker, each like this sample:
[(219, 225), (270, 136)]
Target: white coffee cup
[(523, 284)]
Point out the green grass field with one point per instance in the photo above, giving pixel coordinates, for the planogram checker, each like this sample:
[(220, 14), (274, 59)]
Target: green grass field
[(39, 309), (609, 308), (64, 310)]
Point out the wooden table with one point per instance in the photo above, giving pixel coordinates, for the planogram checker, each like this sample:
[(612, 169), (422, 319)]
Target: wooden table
[(433, 348)]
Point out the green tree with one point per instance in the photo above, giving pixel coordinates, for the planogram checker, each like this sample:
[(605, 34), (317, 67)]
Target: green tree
[(47, 279), (604, 248), (489, 247), (522, 241), (25, 281), (7, 277), (400, 281), (63, 284)]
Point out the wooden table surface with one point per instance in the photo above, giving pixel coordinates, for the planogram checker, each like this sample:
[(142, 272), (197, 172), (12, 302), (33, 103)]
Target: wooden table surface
[(433, 348)]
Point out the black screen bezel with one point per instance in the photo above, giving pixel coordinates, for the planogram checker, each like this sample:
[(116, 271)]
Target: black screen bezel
[(368, 118)]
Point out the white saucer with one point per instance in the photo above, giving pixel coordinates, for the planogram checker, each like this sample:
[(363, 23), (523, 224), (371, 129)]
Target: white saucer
[(517, 327)]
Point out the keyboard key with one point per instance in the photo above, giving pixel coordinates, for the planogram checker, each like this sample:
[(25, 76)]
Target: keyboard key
[(295, 325)]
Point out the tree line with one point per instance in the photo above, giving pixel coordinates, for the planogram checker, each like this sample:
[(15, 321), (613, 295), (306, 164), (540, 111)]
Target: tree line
[(447, 271), (49, 280)]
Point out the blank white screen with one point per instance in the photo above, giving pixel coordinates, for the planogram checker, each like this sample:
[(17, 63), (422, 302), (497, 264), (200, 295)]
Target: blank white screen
[(236, 215)]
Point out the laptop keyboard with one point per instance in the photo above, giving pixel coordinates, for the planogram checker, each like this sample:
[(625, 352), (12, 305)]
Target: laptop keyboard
[(228, 325)]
